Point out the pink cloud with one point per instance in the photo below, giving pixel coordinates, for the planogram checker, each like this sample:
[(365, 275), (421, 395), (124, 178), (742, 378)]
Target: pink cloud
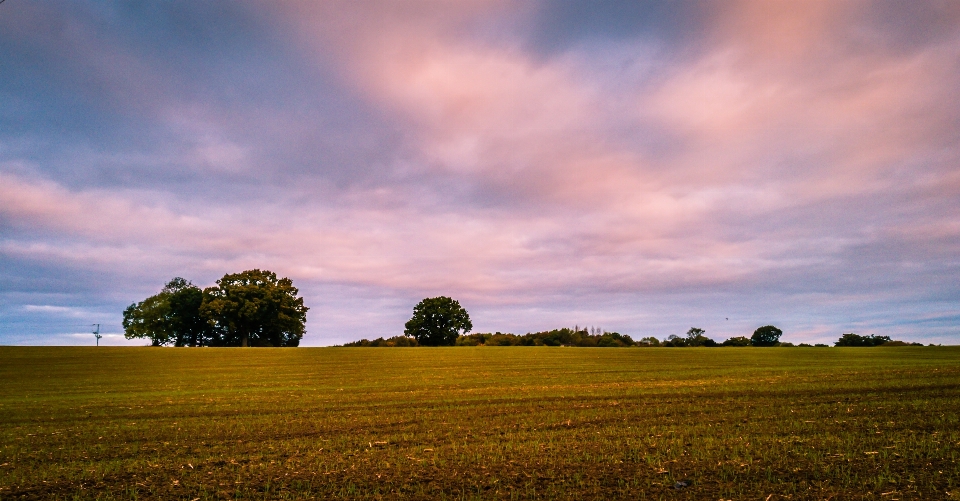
[(775, 149)]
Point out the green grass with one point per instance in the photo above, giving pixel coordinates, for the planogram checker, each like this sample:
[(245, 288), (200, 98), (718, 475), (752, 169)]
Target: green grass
[(469, 423)]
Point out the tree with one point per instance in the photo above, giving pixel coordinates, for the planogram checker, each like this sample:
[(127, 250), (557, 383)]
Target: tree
[(696, 337), (438, 321), (148, 319), (255, 308), (170, 317), (190, 328), (767, 335)]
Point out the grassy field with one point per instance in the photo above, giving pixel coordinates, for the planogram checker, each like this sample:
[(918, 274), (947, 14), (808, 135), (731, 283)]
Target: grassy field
[(465, 423)]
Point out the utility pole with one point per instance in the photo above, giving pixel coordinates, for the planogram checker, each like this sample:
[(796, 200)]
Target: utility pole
[(96, 333)]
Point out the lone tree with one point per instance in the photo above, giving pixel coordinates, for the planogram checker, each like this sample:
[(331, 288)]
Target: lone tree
[(767, 335), (170, 317), (255, 308), (438, 321)]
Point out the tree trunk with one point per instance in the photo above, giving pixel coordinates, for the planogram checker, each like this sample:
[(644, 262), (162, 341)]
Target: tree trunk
[(245, 337)]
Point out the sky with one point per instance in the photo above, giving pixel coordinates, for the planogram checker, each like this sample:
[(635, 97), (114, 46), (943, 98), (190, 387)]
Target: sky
[(639, 167)]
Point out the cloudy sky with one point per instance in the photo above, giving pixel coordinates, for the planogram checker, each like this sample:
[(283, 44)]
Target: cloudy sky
[(640, 167)]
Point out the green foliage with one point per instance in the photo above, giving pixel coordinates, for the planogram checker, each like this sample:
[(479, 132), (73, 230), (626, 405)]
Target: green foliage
[(767, 335), (170, 317), (737, 341), (250, 308), (255, 308), (851, 339), (438, 321), (148, 319)]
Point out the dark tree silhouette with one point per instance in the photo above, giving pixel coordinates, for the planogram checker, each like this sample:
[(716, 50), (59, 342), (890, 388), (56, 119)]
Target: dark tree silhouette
[(255, 308), (767, 335), (851, 339), (170, 317), (438, 321)]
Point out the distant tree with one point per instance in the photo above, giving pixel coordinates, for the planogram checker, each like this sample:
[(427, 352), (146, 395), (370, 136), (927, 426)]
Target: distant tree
[(255, 308), (851, 339), (696, 337), (615, 339), (737, 341), (170, 317), (648, 341), (767, 335), (674, 341), (438, 321)]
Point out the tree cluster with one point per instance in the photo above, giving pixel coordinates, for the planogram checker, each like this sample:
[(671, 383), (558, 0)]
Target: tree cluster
[(252, 308), (393, 342), (557, 337), (851, 339), (441, 321), (767, 335)]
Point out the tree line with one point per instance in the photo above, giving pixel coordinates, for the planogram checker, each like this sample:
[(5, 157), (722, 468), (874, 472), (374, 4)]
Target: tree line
[(581, 337), (251, 308), (442, 321)]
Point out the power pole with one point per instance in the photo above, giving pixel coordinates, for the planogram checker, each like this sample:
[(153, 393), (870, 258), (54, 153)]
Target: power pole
[(96, 333)]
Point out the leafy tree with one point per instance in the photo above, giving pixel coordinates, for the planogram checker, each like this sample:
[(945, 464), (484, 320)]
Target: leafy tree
[(170, 317), (696, 337), (148, 319), (438, 321), (255, 308), (767, 335)]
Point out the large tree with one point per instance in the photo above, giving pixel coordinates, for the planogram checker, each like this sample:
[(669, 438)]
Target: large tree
[(438, 321), (255, 308), (767, 335), (170, 317)]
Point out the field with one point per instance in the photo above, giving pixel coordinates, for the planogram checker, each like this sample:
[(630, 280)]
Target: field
[(479, 423)]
